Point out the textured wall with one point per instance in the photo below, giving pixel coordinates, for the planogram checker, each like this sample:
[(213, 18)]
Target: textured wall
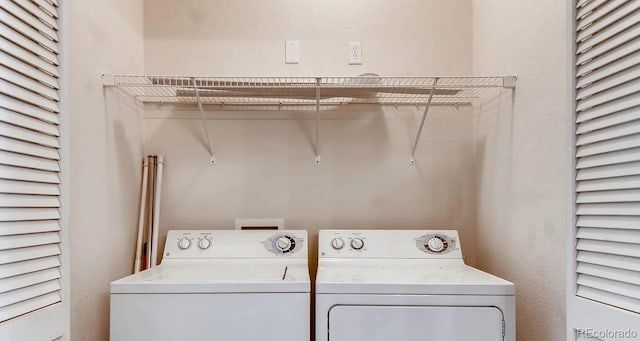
[(512, 185), (246, 37), (105, 139), (522, 157), (265, 164)]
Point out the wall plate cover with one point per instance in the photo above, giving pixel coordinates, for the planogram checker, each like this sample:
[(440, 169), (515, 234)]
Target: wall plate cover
[(292, 52), (355, 53)]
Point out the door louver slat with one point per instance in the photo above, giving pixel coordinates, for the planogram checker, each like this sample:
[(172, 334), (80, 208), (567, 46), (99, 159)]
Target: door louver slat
[(29, 305), (33, 290), (624, 116), (17, 255), (28, 227), (625, 182), (620, 275), (27, 122), (604, 172)]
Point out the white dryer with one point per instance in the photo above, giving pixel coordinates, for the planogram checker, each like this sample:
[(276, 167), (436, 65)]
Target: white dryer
[(218, 285), (406, 285)]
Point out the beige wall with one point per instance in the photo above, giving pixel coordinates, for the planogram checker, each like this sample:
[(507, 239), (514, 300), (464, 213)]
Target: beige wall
[(246, 37), (522, 157), (504, 171), (104, 156), (265, 166)]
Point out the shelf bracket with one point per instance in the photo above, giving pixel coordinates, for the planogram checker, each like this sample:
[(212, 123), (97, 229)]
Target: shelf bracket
[(108, 80), (316, 147), (509, 82), (212, 155), (412, 160)]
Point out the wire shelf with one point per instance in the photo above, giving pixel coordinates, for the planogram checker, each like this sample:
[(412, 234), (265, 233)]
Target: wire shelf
[(306, 90), (311, 91)]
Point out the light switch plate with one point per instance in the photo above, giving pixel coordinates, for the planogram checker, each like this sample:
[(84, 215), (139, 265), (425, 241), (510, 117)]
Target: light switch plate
[(292, 52)]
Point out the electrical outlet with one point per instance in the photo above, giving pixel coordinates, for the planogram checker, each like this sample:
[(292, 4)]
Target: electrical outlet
[(355, 53)]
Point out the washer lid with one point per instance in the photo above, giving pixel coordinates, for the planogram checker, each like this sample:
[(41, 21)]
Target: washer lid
[(418, 279), (216, 277)]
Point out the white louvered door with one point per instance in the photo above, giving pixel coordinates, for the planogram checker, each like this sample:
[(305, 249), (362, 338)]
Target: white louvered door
[(31, 305), (604, 288)]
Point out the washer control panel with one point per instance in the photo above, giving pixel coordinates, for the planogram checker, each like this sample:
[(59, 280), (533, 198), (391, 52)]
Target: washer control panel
[(346, 241), (232, 244), (284, 243), (389, 244), (436, 243)]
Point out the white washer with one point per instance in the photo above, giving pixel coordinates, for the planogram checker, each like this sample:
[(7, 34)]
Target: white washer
[(406, 285), (218, 285)]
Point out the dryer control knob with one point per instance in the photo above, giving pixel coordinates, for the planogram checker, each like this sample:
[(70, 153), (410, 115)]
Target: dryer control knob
[(436, 244), (283, 243), (204, 243), (357, 243), (337, 243), (184, 243)]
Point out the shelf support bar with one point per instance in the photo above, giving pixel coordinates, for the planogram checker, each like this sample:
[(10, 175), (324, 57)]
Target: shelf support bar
[(212, 155), (316, 148), (412, 160)]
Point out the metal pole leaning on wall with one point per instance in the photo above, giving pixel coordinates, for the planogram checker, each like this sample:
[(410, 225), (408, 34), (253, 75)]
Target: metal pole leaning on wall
[(156, 212), (424, 117), (141, 217), (151, 198)]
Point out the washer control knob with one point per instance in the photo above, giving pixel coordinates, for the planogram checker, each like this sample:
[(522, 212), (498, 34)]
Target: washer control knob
[(204, 243), (184, 243), (283, 243), (436, 244), (337, 243), (357, 243)]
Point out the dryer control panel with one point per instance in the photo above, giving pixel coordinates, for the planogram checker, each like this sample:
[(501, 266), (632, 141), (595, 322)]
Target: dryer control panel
[(390, 244), (234, 244)]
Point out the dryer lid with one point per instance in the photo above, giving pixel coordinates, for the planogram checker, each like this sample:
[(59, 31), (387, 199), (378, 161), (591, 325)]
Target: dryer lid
[(419, 279), (216, 277)]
